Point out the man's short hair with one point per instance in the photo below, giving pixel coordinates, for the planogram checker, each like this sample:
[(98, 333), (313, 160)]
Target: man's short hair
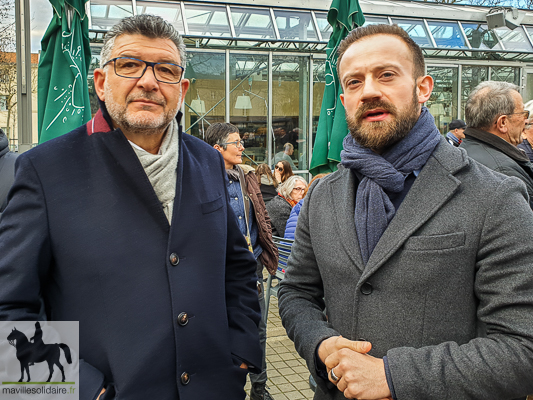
[(382, 29), (288, 146), (147, 25), (218, 133), (488, 101)]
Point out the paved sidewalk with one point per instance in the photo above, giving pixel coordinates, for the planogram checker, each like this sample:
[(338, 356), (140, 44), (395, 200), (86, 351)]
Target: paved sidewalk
[(288, 377)]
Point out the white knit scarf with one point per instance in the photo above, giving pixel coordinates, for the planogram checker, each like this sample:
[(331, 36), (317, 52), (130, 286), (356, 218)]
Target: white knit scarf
[(161, 168)]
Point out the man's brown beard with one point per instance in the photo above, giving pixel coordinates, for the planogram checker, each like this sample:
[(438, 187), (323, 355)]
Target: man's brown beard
[(380, 135)]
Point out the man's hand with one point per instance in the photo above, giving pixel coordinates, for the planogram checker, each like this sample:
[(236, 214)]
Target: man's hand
[(360, 376), (335, 343)]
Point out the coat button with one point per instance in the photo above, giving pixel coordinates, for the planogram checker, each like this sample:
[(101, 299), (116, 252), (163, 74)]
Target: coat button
[(185, 378), (366, 288), (174, 259), (183, 319)]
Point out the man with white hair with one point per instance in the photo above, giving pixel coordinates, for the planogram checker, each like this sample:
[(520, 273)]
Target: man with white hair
[(496, 119)]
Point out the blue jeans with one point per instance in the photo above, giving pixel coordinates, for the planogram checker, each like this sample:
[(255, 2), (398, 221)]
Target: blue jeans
[(261, 378)]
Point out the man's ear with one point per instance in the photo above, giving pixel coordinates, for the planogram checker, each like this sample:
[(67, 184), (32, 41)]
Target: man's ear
[(502, 123), (99, 83), (184, 87), (424, 88), (342, 98)]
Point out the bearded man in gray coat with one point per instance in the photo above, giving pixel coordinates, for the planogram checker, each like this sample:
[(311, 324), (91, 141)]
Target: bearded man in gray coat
[(414, 250)]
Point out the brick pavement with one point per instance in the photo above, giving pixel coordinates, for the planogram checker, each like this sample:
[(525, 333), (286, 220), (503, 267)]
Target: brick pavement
[(287, 372)]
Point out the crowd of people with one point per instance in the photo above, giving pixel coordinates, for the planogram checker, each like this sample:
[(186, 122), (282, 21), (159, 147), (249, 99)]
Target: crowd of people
[(411, 272)]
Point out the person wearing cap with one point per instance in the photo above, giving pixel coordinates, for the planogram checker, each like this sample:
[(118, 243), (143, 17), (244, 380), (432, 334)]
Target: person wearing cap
[(456, 134)]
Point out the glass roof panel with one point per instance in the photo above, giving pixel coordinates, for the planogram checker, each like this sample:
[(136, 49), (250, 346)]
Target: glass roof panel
[(252, 23), (480, 37), (106, 13), (415, 29), (169, 12), (323, 25), (447, 34), (375, 21), (206, 20), (514, 40), (295, 25)]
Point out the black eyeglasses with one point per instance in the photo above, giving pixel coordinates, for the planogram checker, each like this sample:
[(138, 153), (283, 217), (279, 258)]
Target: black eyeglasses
[(133, 68), (237, 143), (523, 112)]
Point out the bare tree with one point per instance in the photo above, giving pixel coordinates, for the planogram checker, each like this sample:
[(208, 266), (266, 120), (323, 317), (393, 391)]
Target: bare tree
[(8, 71)]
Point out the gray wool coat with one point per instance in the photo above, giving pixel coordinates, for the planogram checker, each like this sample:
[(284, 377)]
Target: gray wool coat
[(449, 287)]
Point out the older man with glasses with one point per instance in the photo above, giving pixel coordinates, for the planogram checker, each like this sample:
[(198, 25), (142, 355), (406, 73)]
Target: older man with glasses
[(124, 225), (496, 119)]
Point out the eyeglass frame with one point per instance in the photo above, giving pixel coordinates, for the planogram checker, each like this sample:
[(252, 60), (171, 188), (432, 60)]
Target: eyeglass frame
[(235, 143), (299, 189), (278, 168), (148, 64)]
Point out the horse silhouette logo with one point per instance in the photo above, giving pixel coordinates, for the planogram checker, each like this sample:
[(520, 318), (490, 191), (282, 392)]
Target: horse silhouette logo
[(29, 353)]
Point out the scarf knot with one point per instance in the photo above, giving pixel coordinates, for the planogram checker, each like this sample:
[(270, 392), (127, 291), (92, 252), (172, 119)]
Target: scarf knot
[(384, 173)]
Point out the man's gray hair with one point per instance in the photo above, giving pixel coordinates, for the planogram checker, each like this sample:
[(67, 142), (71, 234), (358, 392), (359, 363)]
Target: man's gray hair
[(287, 147), (286, 188), (487, 102), (147, 25)]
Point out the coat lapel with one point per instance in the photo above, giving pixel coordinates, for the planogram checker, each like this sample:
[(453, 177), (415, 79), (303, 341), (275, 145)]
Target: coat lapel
[(433, 187), (342, 191)]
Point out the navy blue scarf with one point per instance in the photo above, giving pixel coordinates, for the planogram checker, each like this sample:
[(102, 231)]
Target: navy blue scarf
[(386, 172)]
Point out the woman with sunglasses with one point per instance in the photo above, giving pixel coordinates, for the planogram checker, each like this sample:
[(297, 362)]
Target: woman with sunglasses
[(282, 171), (279, 208)]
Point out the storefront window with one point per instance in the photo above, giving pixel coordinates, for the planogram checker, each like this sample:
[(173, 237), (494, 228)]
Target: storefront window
[(205, 99), (290, 115), (505, 74), (249, 103), (471, 77), (443, 101)]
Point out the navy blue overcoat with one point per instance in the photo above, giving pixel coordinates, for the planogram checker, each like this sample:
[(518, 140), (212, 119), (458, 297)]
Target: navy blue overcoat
[(165, 311)]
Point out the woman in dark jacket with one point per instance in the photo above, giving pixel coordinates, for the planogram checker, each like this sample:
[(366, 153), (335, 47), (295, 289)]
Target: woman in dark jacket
[(267, 183), (279, 208)]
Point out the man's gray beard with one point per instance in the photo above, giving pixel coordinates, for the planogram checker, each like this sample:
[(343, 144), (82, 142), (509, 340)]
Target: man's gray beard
[(380, 135), (137, 124)]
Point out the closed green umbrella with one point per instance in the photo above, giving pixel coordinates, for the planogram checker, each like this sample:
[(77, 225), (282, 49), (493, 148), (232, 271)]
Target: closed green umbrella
[(343, 16), (63, 95)]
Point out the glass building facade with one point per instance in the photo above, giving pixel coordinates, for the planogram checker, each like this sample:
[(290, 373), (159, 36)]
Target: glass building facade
[(261, 66)]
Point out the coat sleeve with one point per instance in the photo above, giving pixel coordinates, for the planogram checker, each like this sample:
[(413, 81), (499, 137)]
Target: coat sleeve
[(290, 227), (499, 363), (24, 246), (242, 302), (301, 304), (27, 257)]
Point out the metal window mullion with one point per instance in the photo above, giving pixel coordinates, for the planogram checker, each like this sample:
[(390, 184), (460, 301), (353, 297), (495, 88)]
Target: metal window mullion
[(269, 110), (227, 89), (185, 24), (459, 90), (310, 129), (315, 23), (463, 33), (527, 35), (230, 22), (88, 13), (134, 5), (430, 35), (489, 73), (499, 40), (274, 24), (390, 20)]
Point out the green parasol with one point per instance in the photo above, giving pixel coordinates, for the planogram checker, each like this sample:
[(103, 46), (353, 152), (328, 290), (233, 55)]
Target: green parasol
[(63, 95), (343, 16)]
